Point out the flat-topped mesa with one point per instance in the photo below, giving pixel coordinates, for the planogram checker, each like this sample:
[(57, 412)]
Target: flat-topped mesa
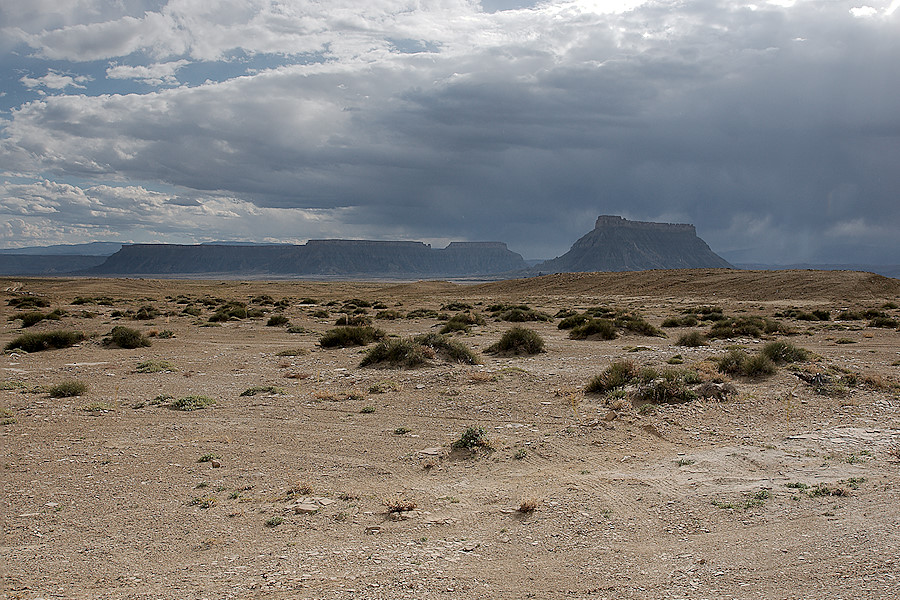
[(329, 257), (614, 221), (617, 244)]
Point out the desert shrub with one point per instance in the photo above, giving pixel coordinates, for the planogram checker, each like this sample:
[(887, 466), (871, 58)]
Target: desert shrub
[(745, 327), (396, 353), (664, 391), (801, 315), (191, 311), (353, 321), (26, 302), (850, 315), (616, 375), (732, 363), (518, 340), (885, 322), (565, 313), (603, 329), (146, 313), (759, 365), (693, 339), (738, 362), (358, 302), (262, 389), (68, 389), (457, 306), (154, 366), (685, 321), (783, 352), (189, 403), (277, 321), (263, 299), (344, 337), (522, 315), (573, 321), (447, 349), (321, 314), (636, 324), (125, 337), (719, 391), (422, 313), (462, 322), (389, 315), (48, 340), (231, 310), (472, 438), (29, 318)]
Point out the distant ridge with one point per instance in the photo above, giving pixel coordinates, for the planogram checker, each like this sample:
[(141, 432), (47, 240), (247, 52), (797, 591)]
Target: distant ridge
[(617, 244), (323, 258)]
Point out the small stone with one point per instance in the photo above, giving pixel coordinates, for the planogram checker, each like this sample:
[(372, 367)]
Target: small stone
[(611, 416), (215, 464), (430, 451), (305, 509), (373, 529)]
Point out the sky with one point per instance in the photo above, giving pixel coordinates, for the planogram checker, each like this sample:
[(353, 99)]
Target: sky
[(773, 126)]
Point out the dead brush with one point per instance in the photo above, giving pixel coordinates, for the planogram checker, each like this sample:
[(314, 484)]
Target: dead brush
[(299, 488), (894, 451), (527, 506), (295, 375), (482, 377), (398, 504)]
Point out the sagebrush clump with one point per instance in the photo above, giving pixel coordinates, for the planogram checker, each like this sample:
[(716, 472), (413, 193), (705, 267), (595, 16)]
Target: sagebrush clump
[(518, 340), (125, 337), (48, 340), (344, 337)]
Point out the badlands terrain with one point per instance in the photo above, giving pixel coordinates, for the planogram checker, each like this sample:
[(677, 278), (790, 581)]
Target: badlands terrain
[(301, 474)]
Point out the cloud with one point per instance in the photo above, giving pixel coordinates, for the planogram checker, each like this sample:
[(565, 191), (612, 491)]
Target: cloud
[(54, 80), (767, 124), (155, 74)]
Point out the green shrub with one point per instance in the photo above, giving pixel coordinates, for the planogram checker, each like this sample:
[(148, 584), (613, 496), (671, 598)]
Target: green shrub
[(188, 403), (745, 327), (49, 340), (685, 321), (422, 313), (462, 322), (519, 315), (616, 375), (277, 321), (638, 325), (665, 391), (603, 329), (885, 322), (693, 339), (31, 318), (738, 362), (389, 315), (146, 313), (124, 337), (732, 363), (759, 365), (154, 366), (344, 337), (518, 340), (396, 353), (472, 438), (782, 352), (68, 389), (353, 321), (447, 349), (850, 315), (572, 321), (26, 302)]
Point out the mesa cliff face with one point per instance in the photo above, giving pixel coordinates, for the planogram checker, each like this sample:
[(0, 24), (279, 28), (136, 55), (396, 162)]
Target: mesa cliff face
[(617, 244), (315, 258)]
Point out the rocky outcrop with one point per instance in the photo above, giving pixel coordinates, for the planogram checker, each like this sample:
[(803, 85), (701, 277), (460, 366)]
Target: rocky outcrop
[(330, 258), (58, 264), (617, 244)]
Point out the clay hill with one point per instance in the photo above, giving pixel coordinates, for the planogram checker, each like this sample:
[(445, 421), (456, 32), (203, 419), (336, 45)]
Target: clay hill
[(617, 244), (319, 258)]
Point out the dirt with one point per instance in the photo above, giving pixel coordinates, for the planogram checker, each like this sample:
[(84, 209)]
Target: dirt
[(343, 482)]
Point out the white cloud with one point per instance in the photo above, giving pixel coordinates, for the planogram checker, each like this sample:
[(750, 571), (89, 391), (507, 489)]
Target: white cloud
[(55, 80), (155, 74)]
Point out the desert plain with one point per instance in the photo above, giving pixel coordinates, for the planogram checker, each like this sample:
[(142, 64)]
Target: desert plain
[(305, 475)]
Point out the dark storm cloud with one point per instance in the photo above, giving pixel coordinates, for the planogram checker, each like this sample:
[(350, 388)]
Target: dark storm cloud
[(771, 126)]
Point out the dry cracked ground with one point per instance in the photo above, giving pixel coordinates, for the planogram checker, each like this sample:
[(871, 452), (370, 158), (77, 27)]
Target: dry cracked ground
[(308, 476)]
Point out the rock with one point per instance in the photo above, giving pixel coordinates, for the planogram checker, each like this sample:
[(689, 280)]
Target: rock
[(430, 451), (215, 464), (305, 508), (373, 529)]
